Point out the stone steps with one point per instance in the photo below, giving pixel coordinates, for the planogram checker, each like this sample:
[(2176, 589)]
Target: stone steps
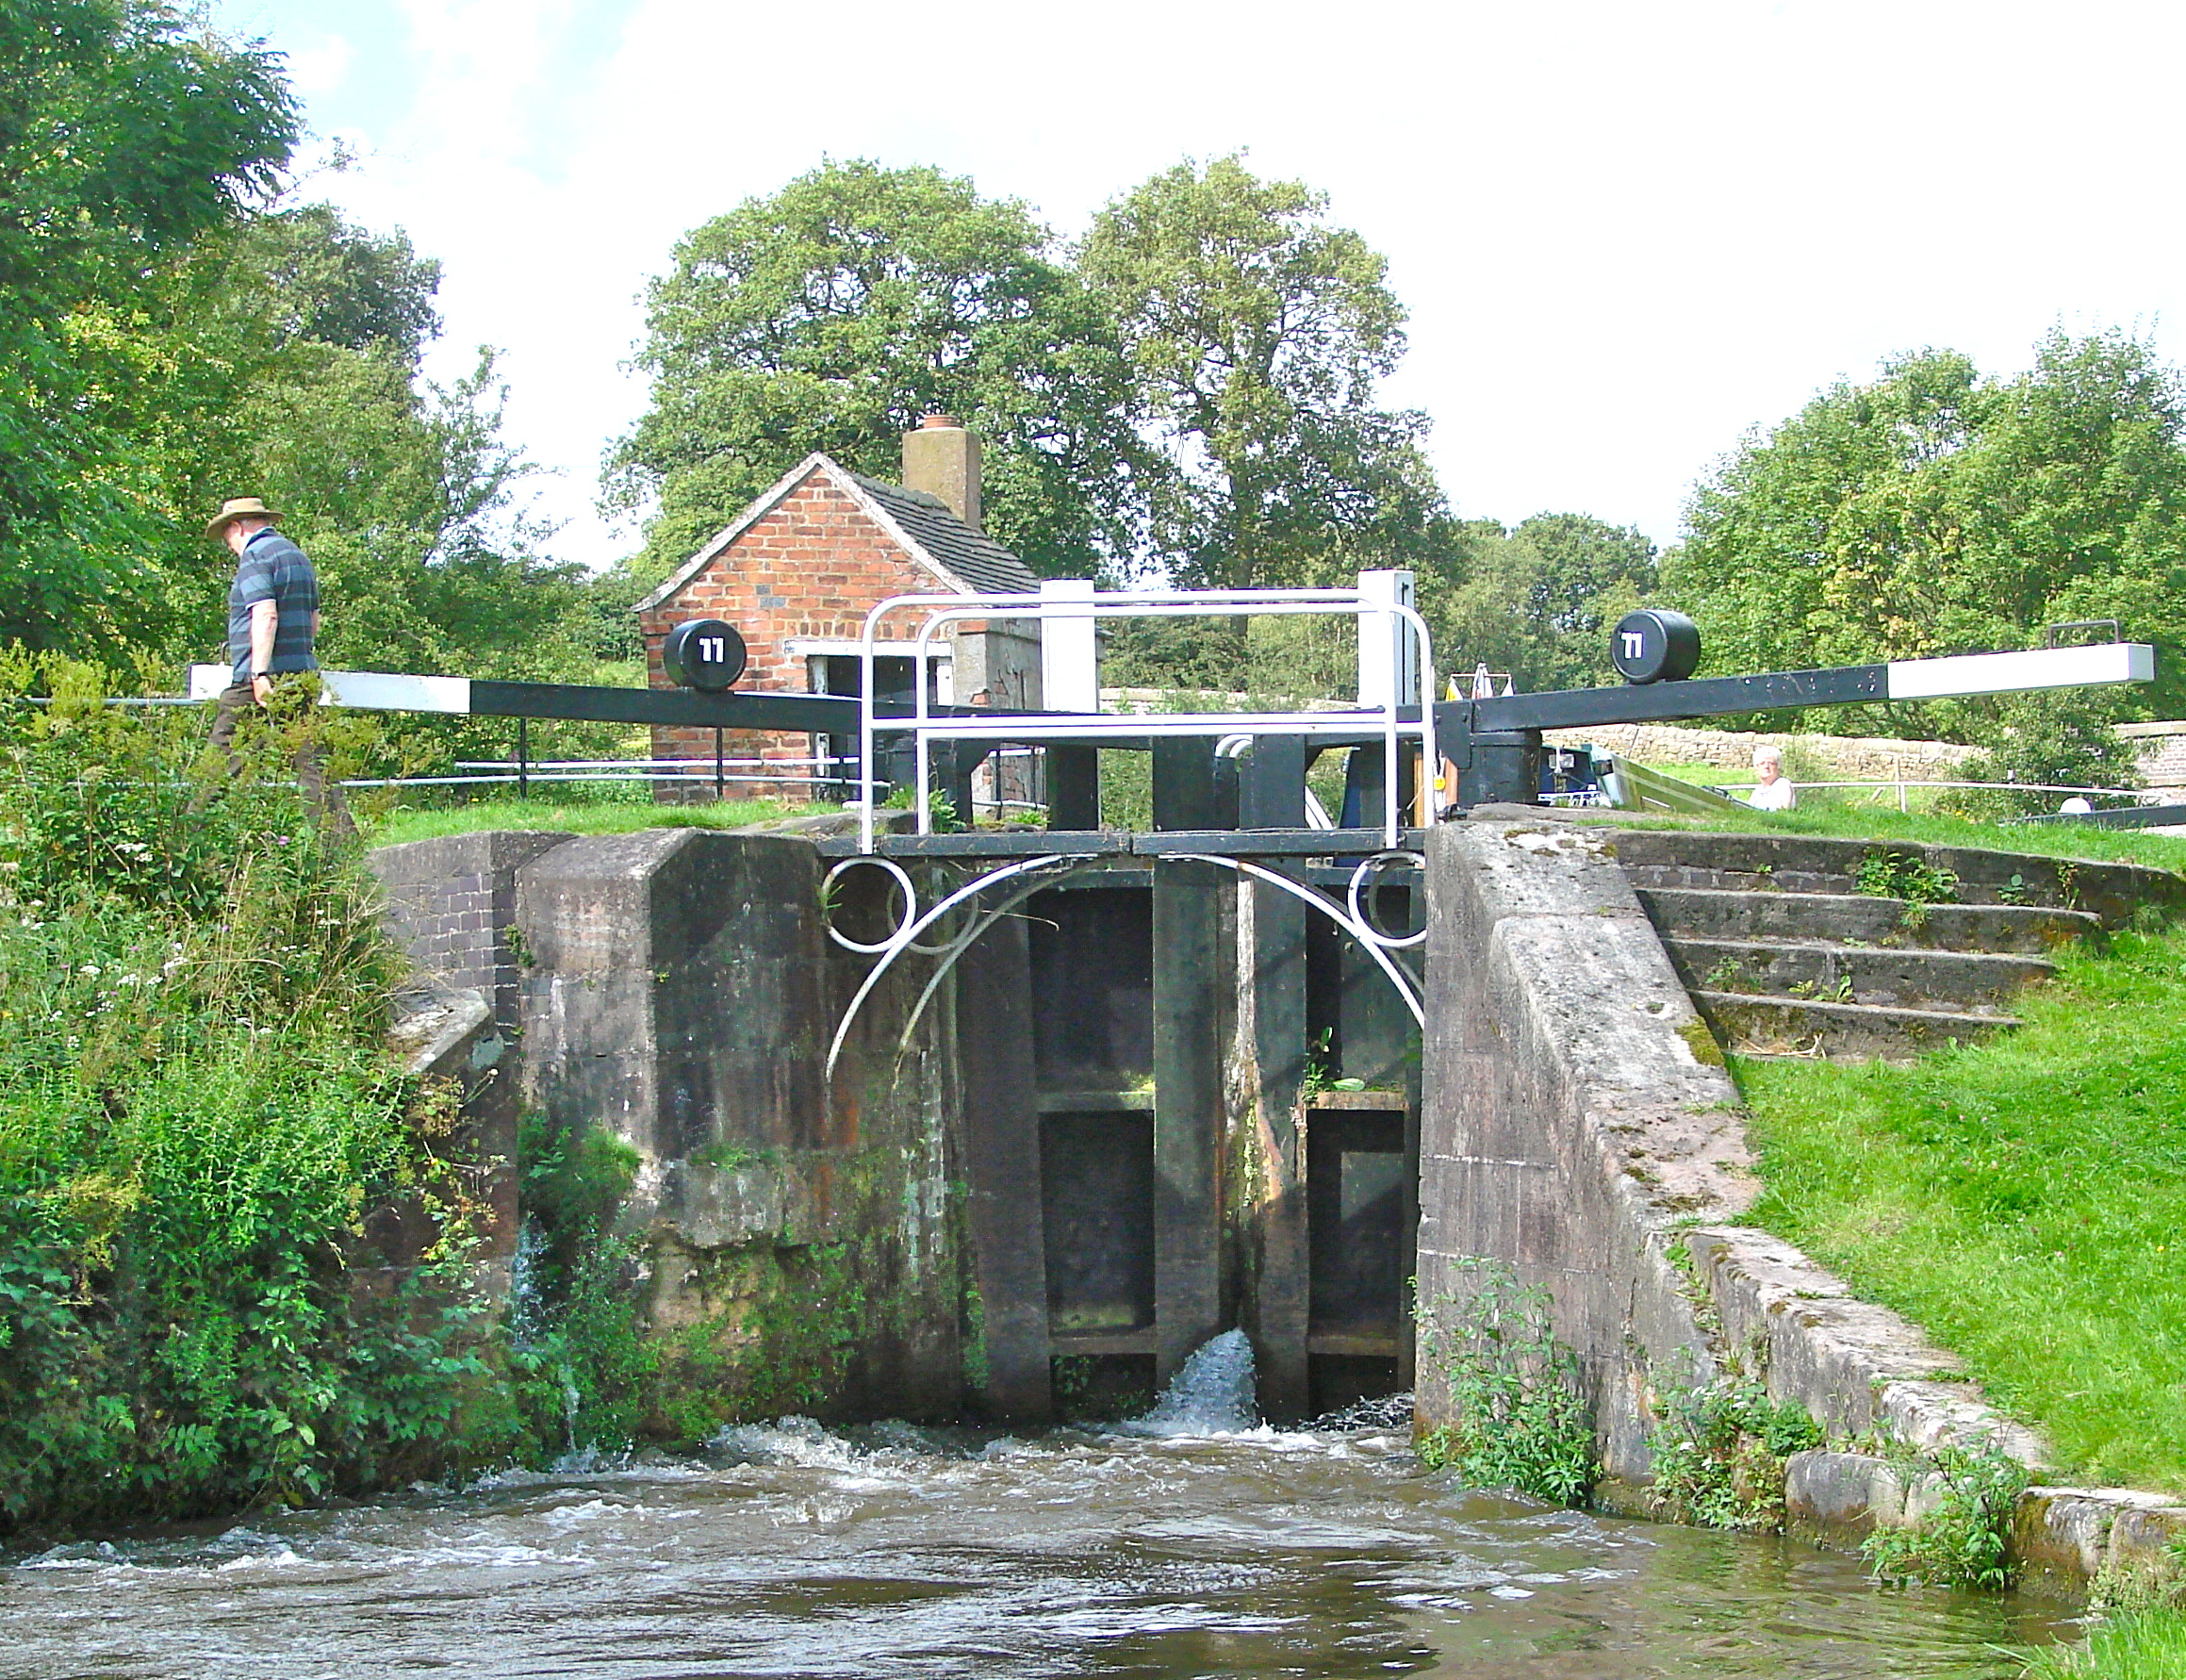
[(1751, 1025), (1841, 917), (1786, 956), (1980, 983), (1808, 862)]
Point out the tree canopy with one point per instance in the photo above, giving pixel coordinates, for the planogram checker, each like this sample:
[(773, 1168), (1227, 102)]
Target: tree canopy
[(1537, 601), (834, 314), (1255, 333), (124, 133), (1190, 393), (1933, 511)]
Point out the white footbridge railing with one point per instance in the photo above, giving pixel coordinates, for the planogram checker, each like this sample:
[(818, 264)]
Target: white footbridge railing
[(1396, 665)]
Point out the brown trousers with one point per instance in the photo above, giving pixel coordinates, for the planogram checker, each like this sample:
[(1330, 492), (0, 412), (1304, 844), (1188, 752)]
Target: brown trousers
[(329, 806)]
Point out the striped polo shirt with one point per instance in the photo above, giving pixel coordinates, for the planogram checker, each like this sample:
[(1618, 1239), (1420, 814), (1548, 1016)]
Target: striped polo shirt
[(273, 568)]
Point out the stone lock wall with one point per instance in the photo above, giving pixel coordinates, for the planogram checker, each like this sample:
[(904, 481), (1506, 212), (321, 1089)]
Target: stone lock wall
[(1576, 1115), (681, 991), (802, 1236), (1580, 1128)]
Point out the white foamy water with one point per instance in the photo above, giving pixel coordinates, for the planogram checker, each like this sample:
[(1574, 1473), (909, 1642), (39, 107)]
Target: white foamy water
[(1212, 1393), (1215, 1548)]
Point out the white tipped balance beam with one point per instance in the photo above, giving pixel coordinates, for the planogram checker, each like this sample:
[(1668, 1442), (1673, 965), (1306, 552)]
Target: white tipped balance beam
[(372, 691), (2010, 673)]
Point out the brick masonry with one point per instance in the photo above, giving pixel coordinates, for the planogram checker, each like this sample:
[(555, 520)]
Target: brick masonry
[(811, 566), (451, 904)]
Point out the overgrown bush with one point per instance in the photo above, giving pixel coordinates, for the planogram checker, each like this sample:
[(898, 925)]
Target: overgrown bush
[(1961, 1538), (197, 1112), (2059, 739), (1517, 1418), (1719, 1451)]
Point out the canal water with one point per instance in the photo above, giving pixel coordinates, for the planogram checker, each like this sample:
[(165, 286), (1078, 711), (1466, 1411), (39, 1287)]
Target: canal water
[(791, 1550)]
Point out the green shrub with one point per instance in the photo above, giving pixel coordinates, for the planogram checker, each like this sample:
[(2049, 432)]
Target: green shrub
[(1961, 1539), (1904, 875), (197, 1112), (1518, 1416), (1720, 1450)]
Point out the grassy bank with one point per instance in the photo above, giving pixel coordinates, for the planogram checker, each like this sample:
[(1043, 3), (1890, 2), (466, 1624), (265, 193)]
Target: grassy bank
[(575, 816), (198, 1114), (2024, 1200), (2145, 1645)]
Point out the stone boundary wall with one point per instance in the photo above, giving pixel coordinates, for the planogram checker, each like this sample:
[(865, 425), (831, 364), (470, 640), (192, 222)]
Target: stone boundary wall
[(2162, 752), (1847, 758), (1578, 1125)]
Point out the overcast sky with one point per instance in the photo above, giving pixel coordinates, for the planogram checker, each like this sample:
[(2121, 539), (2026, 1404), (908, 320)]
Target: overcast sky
[(1626, 232)]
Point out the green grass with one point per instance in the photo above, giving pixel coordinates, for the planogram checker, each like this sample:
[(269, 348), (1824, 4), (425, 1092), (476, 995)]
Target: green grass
[(2148, 1645), (1868, 822), (2024, 1200), (576, 818)]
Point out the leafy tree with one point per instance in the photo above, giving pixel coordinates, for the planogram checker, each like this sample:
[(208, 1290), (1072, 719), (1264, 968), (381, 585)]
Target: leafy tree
[(1537, 601), (1255, 333), (124, 133), (279, 356), (1933, 512), (834, 314)]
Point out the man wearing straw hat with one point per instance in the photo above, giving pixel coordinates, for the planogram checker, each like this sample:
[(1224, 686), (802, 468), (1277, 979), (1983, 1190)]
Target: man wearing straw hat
[(272, 621)]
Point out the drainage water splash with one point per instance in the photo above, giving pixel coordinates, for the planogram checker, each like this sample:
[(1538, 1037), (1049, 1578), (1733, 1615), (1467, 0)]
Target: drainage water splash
[(1212, 1392), (526, 1312)]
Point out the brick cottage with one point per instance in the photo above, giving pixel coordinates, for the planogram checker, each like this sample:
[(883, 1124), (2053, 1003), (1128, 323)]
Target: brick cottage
[(797, 574)]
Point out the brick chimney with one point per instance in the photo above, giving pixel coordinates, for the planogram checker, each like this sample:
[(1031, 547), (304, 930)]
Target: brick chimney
[(943, 459)]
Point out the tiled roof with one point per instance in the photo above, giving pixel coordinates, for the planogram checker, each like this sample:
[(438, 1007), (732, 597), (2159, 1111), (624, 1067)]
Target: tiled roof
[(972, 555), (966, 559)]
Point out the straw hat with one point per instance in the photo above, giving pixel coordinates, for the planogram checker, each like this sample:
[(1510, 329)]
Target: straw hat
[(238, 507)]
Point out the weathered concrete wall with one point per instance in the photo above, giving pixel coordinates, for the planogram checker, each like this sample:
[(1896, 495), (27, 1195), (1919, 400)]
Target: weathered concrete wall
[(1576, 1113), (1576, 1129), (680, 992)]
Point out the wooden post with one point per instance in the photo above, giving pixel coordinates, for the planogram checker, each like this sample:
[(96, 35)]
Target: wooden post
[(1188, 1105), (1002, 1138)]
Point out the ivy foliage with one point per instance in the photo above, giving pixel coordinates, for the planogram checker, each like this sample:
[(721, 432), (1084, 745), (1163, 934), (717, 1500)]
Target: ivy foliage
[(197, 1116), (1518, 1417)]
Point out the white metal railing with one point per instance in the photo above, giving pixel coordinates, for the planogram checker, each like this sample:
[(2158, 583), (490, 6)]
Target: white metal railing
[(824, 771), (1738, 790), (941, 610)]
